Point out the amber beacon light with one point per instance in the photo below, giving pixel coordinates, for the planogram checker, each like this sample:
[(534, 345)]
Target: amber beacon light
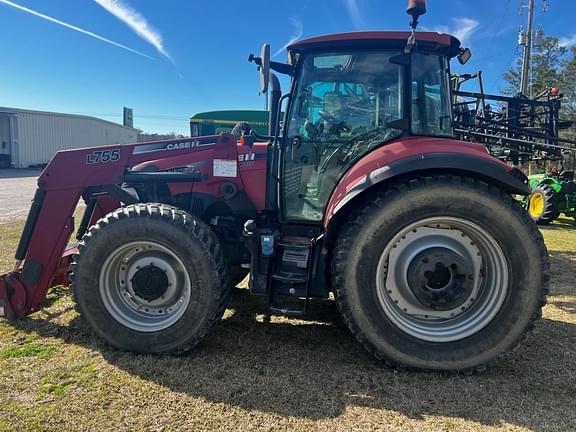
[(416, 8)]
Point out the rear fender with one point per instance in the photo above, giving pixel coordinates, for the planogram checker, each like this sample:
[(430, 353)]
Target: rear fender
[(361, 178)]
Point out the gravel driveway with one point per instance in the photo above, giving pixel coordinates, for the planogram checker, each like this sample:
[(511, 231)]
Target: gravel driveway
[(17, 187)]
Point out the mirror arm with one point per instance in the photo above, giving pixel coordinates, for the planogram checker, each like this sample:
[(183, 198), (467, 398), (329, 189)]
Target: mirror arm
[(283, 68), (256, 60)]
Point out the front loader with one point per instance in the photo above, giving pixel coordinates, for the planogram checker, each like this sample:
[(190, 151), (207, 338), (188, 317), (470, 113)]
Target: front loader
[(362, 191)]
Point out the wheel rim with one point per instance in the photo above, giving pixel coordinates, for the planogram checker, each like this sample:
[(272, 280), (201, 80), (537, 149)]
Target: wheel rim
[(145, 286), (537, 202), (442, 279)]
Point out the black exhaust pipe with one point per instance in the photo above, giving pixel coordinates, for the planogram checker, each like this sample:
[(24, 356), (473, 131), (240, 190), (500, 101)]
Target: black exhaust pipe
[(275, 95), (275, 92)]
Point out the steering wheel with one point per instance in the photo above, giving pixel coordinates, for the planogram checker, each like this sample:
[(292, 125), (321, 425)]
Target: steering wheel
[(335, 126), (327, 116), (355, 142)]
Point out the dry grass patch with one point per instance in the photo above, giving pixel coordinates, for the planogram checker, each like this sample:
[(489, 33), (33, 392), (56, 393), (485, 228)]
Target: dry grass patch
[(251, 374)]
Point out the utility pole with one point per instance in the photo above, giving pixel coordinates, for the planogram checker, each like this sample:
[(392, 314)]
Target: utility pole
[(525, 79)]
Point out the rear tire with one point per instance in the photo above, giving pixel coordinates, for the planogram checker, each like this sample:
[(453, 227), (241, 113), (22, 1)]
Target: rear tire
[(478, 306), (543, 205), (150, 278)]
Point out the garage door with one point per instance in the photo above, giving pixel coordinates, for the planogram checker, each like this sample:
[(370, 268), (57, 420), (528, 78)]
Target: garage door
[(5, 159)]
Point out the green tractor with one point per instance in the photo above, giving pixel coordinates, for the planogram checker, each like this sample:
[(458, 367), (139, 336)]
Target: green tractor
[(552, 194)]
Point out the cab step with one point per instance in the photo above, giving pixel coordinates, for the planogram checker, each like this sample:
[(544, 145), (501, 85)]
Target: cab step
[(289, 278), (292, 272), (291, 310)]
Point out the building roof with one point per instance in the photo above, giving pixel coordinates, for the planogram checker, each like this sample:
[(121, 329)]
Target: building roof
[(6, 110), (232, 115)]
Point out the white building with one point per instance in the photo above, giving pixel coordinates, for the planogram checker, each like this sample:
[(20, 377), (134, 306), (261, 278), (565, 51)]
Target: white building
[(30, 138)]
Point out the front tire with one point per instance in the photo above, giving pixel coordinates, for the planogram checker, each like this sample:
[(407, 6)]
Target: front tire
[(543, 205), (440, 273), (150, 278)]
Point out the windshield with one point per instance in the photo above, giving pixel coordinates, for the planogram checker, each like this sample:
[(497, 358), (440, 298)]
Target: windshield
[(345, 105)]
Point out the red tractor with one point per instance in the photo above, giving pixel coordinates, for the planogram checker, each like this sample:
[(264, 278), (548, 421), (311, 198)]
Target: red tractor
[(361, 191)]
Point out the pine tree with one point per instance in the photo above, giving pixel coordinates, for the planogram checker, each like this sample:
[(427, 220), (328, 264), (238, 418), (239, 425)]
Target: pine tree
[(547, 65)]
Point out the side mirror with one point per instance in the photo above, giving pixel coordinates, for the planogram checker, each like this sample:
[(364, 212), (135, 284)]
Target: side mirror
[(264, 68), (464, 56)]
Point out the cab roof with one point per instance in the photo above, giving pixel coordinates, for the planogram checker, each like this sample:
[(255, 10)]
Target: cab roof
[(426, 41)]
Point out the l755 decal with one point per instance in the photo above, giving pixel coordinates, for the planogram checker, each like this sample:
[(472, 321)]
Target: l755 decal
[(103, 156)]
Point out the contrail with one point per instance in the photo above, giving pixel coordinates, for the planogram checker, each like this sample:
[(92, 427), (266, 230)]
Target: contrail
[(297, 34), (133, 19), (72, 27), (355, 13), (463, 29)]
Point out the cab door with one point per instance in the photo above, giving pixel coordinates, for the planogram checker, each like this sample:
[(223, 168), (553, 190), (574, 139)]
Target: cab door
[(345, 105)]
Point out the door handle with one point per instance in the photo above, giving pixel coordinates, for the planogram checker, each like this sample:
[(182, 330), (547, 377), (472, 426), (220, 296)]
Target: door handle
[(295, 144)]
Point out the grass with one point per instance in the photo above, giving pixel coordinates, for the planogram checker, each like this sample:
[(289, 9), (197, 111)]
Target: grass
[(300, 375)]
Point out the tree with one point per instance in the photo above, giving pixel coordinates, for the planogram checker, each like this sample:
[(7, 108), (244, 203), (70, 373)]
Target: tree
[(547, 62), (568, 88), (147, 136)]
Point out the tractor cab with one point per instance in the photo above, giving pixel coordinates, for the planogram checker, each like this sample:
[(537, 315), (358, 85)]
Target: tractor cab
[(351, 93), (354, 92)]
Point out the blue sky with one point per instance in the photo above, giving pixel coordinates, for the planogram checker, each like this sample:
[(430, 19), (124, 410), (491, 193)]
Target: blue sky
[(170, 59)]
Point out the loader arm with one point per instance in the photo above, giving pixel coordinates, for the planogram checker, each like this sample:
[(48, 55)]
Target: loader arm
[(41, 257)]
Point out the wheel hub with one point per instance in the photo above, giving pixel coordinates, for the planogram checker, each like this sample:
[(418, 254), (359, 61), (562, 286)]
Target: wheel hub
[(536, 205), (421, 279), (150, 283), (440, 278), (145, 286)]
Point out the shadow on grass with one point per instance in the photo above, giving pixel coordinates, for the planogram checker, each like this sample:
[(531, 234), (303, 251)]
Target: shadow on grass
[(315, 370), (563, 270), (561, 224)]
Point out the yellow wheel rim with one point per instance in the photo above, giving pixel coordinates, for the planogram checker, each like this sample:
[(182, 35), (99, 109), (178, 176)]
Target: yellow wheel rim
[(537, 202)]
